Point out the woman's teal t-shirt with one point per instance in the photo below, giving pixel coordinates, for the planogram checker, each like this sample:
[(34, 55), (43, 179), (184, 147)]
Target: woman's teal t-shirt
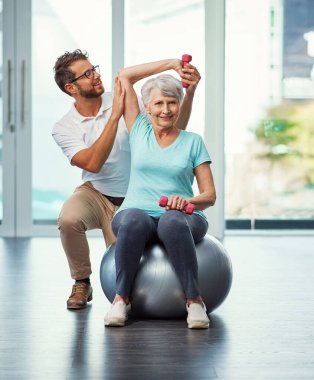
[(157, 171)]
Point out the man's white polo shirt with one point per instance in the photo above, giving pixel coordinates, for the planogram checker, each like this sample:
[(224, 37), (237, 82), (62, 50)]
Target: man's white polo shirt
[(75, 132)]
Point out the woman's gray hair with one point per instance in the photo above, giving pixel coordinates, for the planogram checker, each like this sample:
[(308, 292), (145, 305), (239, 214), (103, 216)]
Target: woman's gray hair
[(167, 84)]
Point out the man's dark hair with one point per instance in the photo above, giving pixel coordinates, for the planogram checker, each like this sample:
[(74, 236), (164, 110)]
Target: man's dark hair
[(63, 74)]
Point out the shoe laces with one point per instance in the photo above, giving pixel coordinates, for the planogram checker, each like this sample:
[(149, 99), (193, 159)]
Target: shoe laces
[(80, 287)]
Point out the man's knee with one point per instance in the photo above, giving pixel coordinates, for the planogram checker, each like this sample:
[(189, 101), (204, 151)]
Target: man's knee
[(70, 222)]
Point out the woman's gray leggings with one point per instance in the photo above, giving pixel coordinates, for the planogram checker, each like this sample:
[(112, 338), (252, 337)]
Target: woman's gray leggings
[(176, 230)]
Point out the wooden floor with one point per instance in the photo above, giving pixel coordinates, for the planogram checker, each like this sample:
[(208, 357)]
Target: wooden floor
[(264, 329)]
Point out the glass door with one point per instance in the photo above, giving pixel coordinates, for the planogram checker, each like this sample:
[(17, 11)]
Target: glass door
[(1, 113), (59, 26), (35, 177), (8, 115)]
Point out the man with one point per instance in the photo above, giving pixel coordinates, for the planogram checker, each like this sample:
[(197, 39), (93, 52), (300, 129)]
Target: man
[(94, 137)]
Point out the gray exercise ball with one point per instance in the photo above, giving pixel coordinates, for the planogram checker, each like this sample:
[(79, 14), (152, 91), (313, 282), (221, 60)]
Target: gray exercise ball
[(157, 292)]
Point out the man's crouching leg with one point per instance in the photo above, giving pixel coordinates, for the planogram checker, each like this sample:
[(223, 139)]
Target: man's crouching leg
[(84, 210)]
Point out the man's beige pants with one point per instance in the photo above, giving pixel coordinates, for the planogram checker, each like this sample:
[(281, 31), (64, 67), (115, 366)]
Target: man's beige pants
[(86, 209)]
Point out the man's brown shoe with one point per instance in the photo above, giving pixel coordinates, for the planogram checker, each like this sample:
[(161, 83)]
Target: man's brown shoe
[(82, 293)]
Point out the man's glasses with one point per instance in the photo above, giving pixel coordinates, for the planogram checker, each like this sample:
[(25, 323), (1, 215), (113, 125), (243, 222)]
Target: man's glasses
[(88, 73)]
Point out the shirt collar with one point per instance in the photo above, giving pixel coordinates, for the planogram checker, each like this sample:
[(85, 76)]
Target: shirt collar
[(106, 104)]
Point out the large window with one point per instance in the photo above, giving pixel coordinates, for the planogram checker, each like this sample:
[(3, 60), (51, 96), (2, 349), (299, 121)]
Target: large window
[(269, 113), (59, 26), (269, 99)]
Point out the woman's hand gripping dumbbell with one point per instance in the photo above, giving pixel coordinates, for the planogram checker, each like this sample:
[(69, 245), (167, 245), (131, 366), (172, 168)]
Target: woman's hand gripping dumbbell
[(186, 58), (188, 208)]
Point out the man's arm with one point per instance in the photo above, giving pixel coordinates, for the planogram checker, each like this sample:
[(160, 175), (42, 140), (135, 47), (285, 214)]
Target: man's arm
[(93, 157)]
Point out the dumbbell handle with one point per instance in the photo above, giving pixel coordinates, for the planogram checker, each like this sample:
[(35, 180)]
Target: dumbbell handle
[(189, 208), (186, 58)]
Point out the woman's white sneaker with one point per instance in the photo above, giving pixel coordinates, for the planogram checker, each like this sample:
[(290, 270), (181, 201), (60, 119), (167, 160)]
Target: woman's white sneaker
[(197, 316), (118, 314)]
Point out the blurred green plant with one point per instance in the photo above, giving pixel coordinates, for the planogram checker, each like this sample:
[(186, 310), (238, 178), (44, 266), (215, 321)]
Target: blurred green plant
[(277, 135), (286, 137)]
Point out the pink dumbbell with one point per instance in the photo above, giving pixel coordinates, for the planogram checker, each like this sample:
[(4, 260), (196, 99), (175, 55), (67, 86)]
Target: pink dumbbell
[(189, 208), (186, 58)]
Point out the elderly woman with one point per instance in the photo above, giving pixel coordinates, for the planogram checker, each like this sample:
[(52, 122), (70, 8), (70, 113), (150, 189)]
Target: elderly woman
[(164, 161)]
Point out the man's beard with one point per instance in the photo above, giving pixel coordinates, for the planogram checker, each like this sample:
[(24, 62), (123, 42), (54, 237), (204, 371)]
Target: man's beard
[(89, 94)]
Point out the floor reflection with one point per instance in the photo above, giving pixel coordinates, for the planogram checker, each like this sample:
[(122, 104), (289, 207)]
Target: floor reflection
[(168, 346)]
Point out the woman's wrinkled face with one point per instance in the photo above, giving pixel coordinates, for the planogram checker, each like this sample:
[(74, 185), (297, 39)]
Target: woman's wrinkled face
[(164, 110)]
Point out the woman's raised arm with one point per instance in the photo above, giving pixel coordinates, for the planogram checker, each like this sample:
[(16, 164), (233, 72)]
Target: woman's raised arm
[(130, 75)]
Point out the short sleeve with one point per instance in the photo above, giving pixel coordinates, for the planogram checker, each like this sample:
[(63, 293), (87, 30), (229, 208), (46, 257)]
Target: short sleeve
[(140, 126), (200, 153), (70, 144)]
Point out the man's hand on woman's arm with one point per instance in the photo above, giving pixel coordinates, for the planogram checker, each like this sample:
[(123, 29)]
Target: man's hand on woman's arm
[(93, 157)]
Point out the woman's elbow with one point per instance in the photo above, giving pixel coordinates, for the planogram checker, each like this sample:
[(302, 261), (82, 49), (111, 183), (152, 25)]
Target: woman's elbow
[(213, 200), (126, 77), (123, 75)]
